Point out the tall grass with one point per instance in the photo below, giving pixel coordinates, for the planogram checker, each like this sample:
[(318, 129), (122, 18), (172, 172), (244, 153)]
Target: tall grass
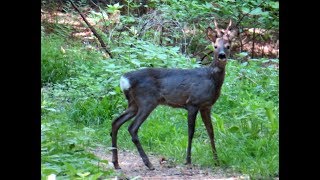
[(68, 80), (59, 58)]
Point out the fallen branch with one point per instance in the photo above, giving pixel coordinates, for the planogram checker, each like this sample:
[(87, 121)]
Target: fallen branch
[(103, 45), (206, 54)]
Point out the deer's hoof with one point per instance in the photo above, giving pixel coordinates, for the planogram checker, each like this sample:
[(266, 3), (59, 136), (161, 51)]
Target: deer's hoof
[(188, 165), (116, 166), (151, 167), (188, 162)]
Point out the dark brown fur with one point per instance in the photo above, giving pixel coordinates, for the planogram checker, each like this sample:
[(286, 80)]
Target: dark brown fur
[(191, 89)]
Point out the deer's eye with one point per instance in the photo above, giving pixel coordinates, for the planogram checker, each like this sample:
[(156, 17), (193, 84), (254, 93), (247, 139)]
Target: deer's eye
[(215, 47), (228, 47)]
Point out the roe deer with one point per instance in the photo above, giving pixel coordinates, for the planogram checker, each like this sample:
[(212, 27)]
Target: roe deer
[(192, 89)]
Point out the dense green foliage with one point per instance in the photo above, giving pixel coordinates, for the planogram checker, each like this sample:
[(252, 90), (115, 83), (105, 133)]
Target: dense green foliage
[(80, 96)]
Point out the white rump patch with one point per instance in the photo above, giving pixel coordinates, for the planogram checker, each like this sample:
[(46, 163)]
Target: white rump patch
[(52, 177), (124, 83)]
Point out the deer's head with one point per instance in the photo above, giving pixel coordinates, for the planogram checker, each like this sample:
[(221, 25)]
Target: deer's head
[(221, 41)]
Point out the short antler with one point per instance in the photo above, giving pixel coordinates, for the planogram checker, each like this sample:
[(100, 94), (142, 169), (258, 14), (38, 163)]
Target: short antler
[(228, 28), (231, 33), (217, 28)]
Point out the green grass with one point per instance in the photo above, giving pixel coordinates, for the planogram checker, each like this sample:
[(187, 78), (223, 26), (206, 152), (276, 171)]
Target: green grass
[(64, 149), (82, 97), (59, 58)]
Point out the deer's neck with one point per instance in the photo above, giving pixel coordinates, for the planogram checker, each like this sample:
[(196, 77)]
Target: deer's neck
[(218, 72)]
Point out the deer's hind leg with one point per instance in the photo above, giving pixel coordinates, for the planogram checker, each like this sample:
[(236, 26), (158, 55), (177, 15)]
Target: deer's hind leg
[(116, 124), (146, 106)]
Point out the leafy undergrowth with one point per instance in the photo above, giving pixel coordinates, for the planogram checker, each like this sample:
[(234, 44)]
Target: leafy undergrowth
[(81, 100), (64, 151)]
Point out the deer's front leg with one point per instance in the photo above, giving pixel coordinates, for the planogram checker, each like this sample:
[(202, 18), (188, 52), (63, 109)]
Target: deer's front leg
[(206, 118), (192, 115)]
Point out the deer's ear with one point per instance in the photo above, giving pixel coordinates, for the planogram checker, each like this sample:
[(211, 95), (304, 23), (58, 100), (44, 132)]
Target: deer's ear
[(233, 33), (211, 34)]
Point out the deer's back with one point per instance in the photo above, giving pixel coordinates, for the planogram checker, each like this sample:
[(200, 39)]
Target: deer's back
[(174, 87)]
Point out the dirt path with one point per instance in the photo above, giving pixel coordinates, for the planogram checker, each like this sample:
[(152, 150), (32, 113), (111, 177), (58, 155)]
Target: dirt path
[(133, 168)]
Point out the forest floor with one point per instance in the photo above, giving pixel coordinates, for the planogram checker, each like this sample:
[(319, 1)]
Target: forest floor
[(132, 167)]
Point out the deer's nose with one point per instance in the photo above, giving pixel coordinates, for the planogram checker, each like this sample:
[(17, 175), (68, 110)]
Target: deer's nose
[(222, 55)]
